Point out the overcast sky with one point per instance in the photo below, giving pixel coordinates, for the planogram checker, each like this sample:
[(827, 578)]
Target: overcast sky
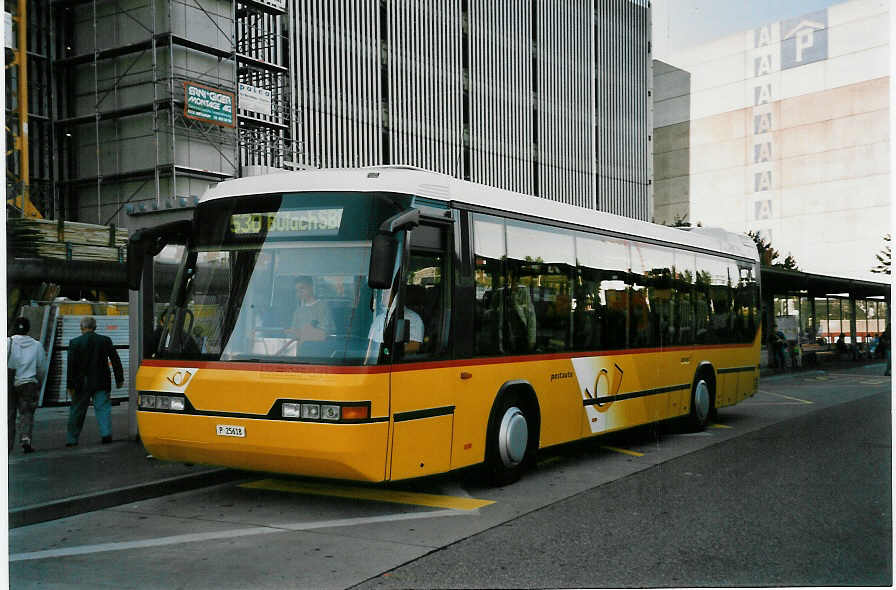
[(678, 24)]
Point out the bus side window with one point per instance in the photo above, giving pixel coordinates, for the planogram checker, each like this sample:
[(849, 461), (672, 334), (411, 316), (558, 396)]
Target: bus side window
[(682, 289), (540, 261), (603, 263), (488, 312), (587, 313), (426, 305), (490, 249)]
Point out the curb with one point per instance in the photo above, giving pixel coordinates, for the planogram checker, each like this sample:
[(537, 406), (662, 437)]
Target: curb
[(47, 511), (800, 373)]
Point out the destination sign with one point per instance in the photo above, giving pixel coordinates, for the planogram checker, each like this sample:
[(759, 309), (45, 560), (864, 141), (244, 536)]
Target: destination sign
[(317, 222)]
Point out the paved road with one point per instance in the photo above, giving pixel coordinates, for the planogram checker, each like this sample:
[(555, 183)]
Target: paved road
[(791, 487), (806, 502)]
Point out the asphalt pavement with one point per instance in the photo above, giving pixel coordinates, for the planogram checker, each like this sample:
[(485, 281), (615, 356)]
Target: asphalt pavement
[(56, 481), (791, 488), (802, 502)]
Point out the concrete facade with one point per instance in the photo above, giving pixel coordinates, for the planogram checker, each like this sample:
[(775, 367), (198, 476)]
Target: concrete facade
[(545, 98), (783, 129)]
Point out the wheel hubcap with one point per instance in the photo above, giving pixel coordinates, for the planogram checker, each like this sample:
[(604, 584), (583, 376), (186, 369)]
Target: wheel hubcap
[(513, 437), (701, 401)]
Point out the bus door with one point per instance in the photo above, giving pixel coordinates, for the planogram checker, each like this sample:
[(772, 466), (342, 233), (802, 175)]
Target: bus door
[(423, 391)]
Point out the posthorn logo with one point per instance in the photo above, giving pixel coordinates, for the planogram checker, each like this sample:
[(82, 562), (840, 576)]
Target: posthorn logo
[(180, 377)]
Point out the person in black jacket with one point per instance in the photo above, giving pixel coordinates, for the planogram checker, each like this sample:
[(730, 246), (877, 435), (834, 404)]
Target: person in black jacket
[(89, 356)]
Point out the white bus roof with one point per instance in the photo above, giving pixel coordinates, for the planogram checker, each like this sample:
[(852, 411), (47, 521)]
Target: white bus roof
[(437, 186)]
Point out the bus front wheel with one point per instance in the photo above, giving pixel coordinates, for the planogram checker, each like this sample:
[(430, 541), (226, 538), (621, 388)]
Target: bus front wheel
[(702, 394), (509, 447)]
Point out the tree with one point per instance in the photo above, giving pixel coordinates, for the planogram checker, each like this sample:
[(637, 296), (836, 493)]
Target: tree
[(789, 262), (883, 259), (680, 221), (768, 254)]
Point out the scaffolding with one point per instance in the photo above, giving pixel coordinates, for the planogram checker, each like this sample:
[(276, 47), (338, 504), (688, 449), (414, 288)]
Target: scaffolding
[(265, 129), (29, 138), (123, 70)]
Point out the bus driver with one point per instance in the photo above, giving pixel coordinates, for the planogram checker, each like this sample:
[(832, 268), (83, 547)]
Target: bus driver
[(311, 321)]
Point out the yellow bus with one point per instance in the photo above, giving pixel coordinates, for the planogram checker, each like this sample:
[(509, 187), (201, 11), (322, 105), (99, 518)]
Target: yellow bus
[(387, 323)]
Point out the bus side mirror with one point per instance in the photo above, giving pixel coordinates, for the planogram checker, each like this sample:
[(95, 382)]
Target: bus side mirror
[(382, 261), (149, 242)]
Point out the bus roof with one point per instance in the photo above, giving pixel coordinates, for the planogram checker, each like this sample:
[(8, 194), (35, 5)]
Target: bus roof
[(441, 187)]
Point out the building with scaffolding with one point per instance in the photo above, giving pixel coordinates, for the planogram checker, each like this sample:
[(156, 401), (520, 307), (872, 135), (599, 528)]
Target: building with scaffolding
[(144, 103), (120, 88)]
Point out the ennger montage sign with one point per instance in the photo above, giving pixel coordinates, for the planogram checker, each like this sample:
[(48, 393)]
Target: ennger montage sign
[(212, 105)]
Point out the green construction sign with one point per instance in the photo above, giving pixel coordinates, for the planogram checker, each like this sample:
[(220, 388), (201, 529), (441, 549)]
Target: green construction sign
[(212, 105)]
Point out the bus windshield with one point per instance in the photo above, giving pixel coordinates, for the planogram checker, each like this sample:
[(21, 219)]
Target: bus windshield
[(281, 278)]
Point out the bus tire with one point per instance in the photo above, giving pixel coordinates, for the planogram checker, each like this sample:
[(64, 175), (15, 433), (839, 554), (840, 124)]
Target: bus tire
[(512, 439), (703, 396)]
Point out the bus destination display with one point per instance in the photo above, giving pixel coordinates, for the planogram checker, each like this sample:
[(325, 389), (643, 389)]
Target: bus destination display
[(313, 222)]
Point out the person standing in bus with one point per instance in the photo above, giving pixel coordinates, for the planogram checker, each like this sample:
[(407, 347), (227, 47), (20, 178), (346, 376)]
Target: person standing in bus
[(28, 360), (89, 357), (378, 326), (311, 320)]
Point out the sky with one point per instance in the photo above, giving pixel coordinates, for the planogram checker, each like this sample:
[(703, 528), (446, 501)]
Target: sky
[(679, 24)]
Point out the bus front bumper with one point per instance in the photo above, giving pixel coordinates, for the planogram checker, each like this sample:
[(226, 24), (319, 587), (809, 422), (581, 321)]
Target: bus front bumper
[(344, 451)]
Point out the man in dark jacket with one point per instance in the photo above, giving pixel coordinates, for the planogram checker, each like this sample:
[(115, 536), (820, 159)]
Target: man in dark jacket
[(89, 356)]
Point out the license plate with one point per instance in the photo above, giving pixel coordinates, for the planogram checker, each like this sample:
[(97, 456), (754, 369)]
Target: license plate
[(228, 430)]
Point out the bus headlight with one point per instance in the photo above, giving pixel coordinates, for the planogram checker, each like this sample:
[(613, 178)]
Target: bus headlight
[(292, 410), (324, 411), (311, 411), (330, 413), (152, 401)]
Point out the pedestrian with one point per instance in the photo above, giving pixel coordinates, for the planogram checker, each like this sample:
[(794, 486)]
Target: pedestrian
[(26, 358), (779, 343), (796, 356), (89, 356), (885, 345), (840, 345)]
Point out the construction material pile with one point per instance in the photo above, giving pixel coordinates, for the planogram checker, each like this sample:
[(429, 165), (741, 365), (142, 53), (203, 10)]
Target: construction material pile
[(68, 240)]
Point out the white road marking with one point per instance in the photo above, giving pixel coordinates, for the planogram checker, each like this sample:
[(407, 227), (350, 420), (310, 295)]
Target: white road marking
[(229, 534), (795, 399)]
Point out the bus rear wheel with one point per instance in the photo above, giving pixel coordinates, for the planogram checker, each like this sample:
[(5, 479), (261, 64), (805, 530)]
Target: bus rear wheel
[(509, 442)]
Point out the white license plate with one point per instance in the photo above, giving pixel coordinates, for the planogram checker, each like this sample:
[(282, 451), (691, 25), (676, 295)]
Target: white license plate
[(228, 430)]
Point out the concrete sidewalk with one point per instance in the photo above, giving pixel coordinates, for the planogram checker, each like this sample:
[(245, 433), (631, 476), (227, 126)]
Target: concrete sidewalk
[(866, 365), (56, 481)]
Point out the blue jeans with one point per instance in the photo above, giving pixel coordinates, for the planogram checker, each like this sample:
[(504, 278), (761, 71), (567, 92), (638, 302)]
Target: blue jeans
[(78, 411)]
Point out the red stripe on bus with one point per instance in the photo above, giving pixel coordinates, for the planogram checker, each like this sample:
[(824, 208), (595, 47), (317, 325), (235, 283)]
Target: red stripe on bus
[(271, 367), (554, 356)]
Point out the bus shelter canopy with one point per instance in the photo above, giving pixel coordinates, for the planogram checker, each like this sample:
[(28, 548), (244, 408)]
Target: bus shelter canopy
[(776, 281)]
